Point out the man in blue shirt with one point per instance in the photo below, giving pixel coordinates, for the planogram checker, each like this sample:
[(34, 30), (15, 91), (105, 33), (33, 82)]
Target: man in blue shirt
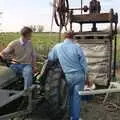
[(74, 65)]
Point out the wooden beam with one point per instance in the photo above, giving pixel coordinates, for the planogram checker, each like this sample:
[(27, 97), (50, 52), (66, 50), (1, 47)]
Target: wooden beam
[(92, 18)]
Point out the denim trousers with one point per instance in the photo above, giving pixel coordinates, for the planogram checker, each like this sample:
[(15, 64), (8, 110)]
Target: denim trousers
[(76, 82), (24, 70)]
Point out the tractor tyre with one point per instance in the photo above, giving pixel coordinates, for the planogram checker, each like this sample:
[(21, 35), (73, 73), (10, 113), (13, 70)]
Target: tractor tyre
[(56, 91)]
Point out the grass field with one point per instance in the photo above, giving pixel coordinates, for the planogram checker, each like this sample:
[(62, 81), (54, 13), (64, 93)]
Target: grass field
[(42, 41), (118, 49)]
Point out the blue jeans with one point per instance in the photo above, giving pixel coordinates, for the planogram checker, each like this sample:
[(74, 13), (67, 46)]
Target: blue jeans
[(76, 82), (26, 71)]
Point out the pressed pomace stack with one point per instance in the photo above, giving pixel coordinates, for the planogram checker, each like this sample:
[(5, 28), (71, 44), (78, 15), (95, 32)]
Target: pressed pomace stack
[(98, 51)]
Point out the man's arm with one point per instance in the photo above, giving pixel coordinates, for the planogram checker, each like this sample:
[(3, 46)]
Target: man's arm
[(83, 60), (52, 54), (5, 52), (34, 57)]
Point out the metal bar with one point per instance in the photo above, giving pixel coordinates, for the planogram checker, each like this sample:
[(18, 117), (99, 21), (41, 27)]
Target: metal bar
[(75, 9), (71, 13), (111, 44), (81, 14), (110, 61), (81, 6), (115, 46), (102, 91), (115, 51)]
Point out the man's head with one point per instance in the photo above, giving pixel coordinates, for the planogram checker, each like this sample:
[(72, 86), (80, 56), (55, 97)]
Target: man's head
[(69, 34), (26, 33)]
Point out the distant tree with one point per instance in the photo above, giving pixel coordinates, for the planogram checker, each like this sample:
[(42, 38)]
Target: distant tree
[(40, 28), (37, 28), (33, 27)]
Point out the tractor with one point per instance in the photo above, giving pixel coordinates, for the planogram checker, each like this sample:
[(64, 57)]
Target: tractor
[(100, 48), (15, 102)]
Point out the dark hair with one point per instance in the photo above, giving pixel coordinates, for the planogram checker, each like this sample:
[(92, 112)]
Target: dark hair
[(25, 30)]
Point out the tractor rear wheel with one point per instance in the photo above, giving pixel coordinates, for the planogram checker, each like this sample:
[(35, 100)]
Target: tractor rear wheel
[(56, 92)]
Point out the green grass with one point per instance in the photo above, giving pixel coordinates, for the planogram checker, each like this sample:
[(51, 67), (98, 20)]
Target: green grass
[(42, 41), (118, 49), (43, 38)]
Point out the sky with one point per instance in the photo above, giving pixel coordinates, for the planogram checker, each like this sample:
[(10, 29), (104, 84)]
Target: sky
[(19, 13)]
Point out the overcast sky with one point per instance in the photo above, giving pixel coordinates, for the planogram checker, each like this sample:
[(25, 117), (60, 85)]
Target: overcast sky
[(17, 13)]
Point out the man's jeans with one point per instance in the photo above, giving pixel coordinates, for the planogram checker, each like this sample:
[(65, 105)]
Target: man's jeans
[(76, 82), (26, 71)]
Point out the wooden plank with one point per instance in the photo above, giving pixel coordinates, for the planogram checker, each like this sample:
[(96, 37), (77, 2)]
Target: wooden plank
[(93, 37), (88, 33), (91, 18), (93, 33), (90, 41)]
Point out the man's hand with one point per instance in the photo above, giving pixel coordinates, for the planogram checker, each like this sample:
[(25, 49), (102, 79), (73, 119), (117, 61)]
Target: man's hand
[(2, 56), (34, 68), (88, 83)]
